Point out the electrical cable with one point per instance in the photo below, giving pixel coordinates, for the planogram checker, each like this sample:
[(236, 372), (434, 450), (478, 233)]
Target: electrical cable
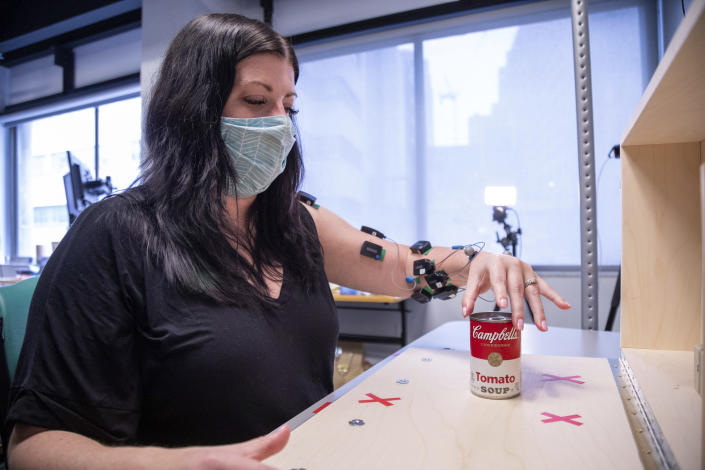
[(482, 247), (406, 288), (597, 191), (478, 245), (451, 254)]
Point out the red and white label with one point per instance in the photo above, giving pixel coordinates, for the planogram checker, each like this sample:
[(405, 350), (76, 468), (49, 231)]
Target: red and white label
[(486, 338), (495, 365)]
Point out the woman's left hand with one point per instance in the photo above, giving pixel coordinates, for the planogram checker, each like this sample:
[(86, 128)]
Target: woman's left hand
[(509, 276)]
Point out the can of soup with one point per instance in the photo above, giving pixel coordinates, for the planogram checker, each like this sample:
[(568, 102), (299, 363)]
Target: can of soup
[(495, 355)]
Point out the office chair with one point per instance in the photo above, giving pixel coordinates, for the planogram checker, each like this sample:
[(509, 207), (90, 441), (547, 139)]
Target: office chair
[(14, 307)]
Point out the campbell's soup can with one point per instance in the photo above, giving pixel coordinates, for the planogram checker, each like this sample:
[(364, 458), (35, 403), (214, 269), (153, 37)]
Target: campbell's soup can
[(495, 355)]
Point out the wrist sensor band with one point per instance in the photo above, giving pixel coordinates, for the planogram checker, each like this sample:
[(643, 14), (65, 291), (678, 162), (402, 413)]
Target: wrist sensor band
[(437, 279), (421, 247), (423, 267), (422, 296)]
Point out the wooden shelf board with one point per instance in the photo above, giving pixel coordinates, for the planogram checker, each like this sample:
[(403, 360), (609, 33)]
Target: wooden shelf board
[(661, 241), (672, 108), (666, 381)]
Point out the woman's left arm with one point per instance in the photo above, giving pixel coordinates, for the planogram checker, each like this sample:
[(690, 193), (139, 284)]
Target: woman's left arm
[(510, 278)]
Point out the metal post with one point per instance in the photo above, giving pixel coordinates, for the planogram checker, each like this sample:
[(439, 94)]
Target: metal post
[(402, 310), (420, 136), (96, 141), (64, 58), (586, 164)]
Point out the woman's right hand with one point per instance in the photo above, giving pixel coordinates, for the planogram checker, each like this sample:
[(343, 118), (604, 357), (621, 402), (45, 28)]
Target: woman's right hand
[(242, 456), (32, 447)]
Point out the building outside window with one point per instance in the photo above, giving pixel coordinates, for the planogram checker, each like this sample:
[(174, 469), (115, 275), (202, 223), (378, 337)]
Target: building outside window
[(405, 134), (358, 136), (498, 109), (42, 215)]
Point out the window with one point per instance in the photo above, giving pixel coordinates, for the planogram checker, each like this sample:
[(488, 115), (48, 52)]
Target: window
[(119, 134), (502, 113), (498, 109), (358, 138), (41, 164), (42, 216)]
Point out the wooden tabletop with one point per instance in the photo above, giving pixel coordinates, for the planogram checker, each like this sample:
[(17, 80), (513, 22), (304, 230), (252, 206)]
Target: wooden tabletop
[(373, 298), (455, 335), (417, 412)]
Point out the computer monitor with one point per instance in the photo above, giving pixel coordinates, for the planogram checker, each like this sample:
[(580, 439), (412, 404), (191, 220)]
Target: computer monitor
[(81, 189)]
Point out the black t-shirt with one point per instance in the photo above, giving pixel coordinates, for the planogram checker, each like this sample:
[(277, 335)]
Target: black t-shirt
[(113, 352)]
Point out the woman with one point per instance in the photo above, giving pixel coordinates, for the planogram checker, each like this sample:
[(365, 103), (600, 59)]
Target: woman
[(193, 310)]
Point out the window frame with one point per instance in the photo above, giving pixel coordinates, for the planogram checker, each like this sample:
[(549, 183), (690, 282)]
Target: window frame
[(8, 125), (463, 22)]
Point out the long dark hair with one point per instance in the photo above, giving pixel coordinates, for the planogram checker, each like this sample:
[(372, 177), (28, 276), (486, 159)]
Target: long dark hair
[(187, 169)]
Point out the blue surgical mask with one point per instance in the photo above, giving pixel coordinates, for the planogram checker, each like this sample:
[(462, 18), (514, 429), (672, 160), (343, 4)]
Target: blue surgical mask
[(258, 148)]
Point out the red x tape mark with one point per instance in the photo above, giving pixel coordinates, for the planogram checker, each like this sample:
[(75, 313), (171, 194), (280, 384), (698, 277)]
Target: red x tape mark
[(553, 418), (322, 406), (376, 399), (552, 378)]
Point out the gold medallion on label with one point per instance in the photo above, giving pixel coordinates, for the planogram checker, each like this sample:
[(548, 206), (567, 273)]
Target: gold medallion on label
[(495, 359)]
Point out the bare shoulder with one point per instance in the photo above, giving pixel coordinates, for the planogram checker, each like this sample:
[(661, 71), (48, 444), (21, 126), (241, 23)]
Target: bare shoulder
[(21, 432), (325, 219)]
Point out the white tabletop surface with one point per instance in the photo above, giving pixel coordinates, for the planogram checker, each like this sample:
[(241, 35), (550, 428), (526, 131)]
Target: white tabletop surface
[(456, 335), (555, 342)]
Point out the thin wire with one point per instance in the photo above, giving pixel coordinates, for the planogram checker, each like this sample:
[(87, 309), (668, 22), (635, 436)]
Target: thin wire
[(479, 245), (462, 289), (683, 6), (597, 191), (451, 254), (406, 288), (483, 246)]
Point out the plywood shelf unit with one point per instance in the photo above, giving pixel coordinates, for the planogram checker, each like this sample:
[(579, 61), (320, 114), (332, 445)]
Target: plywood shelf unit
[(663, 160)]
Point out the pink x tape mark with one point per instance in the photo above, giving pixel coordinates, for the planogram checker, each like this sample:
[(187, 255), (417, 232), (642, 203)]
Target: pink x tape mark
[(384, 401), (553, 418), (552, 378)]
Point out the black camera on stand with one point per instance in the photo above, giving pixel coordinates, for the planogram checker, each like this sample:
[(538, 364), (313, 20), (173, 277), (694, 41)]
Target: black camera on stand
[(509, 241), (511, 237)]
